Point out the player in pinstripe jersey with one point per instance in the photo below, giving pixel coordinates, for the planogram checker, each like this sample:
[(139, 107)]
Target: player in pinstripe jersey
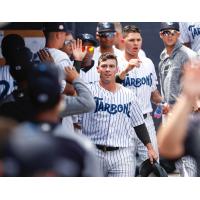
[(55, 34), (6, 82), (8, 46), (111, 125), (138, 74)]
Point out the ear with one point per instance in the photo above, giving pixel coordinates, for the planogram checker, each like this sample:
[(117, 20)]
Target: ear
[(122, 40), (97, 36), (160, 35), (98, 69)]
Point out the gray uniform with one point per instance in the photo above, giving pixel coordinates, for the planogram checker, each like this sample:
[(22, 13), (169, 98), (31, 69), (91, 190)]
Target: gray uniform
[(170, 69), (78, 145)]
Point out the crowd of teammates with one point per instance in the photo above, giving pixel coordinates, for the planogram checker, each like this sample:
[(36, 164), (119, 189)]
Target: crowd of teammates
[(82, 106)]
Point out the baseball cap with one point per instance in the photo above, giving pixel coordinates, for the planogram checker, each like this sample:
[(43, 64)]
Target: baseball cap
[(147, 169), (55, 27), (105, 27), (44, 85), (9, 44), (86, 37), (169, 25), (21, 61)]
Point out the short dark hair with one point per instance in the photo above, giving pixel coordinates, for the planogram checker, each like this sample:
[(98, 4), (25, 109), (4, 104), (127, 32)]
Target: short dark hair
[(9, 45), (106, 56), (130, 29)]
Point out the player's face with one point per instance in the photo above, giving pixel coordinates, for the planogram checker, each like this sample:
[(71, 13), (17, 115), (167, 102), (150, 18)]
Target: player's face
[(169, 37), (61, 38), (106, 40), (107, 70), (67, 47), (133, 43), (90, 51)]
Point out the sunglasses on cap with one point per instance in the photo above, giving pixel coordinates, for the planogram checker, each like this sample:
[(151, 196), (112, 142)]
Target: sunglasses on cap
[(169, 32), (90, 49), (107, 34), (68, 42)]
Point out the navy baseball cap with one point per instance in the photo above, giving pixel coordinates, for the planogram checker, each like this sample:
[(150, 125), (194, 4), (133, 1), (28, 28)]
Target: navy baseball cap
[(22, 59), (86, 37), (9, 44), (103, 27), (147, 169), (56, 27), (44, 85), (169, 25)]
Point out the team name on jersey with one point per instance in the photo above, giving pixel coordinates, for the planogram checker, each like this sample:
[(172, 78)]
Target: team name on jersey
[(137, 82), (112, 108), (194, 30)]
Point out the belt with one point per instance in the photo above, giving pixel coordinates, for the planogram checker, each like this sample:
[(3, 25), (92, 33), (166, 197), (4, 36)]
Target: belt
[(106, 148)]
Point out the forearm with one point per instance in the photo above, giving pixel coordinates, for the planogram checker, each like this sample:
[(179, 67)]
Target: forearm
[(171, 134), (83, 102), (77, 65), (142, 134)]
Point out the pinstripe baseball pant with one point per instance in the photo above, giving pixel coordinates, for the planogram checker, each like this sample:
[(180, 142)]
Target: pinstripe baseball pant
[(118, 163), (141, 150), (187, 166)]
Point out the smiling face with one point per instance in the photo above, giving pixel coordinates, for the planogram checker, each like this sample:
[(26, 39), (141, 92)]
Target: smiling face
[(107, 70), (133, 43)]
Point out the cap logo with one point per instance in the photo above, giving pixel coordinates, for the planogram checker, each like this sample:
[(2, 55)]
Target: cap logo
[(106, 25), (169, 23), (18, 67), (61, 27)]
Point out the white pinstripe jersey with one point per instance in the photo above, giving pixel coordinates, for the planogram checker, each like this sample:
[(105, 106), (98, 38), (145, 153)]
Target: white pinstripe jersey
[(190, 33), (115, 116), (61, 59), (6, 82), (142, 81), (92, 75)]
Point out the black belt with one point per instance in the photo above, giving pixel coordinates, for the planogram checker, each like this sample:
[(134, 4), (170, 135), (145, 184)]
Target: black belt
[(106, 148), (145, 116)]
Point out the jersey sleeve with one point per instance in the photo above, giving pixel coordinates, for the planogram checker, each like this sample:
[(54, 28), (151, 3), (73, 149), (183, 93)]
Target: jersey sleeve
[(136, 114)]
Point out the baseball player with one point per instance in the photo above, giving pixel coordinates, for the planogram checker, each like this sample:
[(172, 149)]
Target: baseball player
[(119, 41), (8, 46), (55, 34), (172, 60), (87, 66), (77, 151), (138, 74), (190, 35), (105, 34), (111, 125), (180, 134)]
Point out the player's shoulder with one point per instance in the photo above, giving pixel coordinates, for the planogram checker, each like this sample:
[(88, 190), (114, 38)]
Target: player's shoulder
[(146, 61), (58, 54), (4, 68), (125, 90)]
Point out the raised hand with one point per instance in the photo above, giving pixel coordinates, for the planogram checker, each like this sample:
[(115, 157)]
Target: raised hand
[(77, 50)]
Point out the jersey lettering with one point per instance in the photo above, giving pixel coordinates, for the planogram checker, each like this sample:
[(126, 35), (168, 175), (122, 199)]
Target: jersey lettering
[(138, 82), (194, 30), (111, 108)]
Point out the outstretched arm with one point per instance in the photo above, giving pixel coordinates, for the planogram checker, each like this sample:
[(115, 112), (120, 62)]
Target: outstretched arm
[(84, 101)]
